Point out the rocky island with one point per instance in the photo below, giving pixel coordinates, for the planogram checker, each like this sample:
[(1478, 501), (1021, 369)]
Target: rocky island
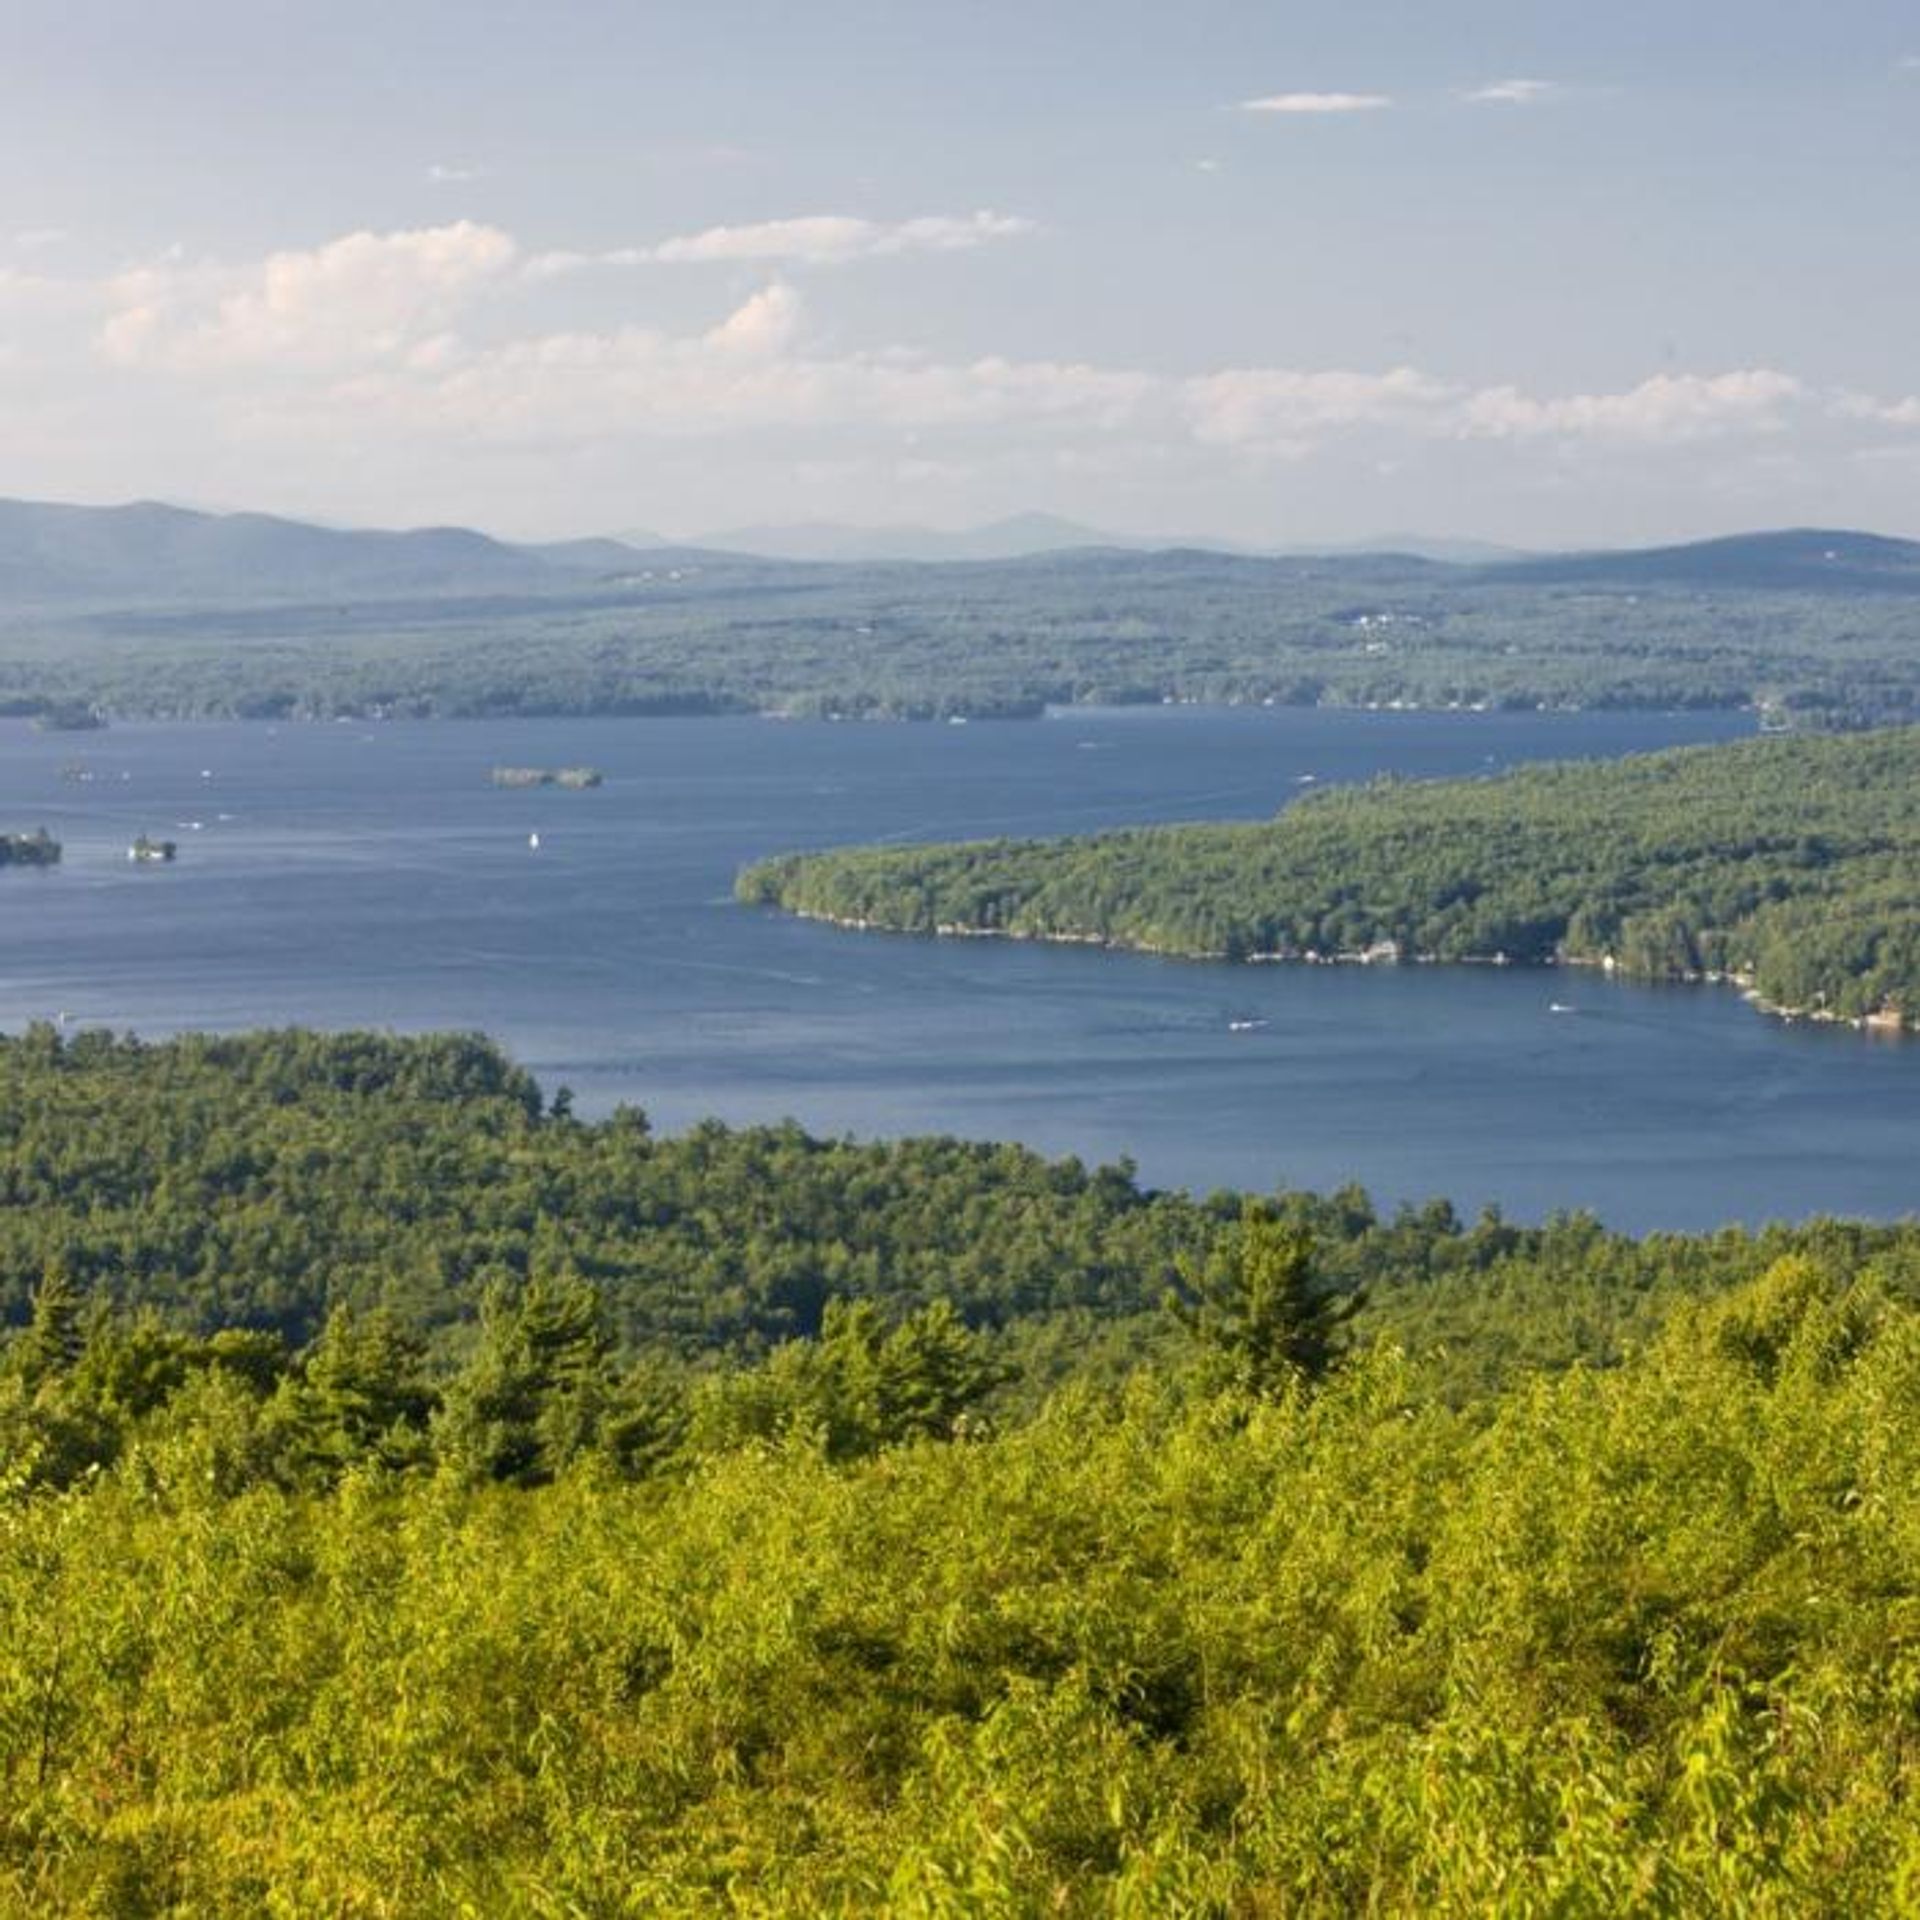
[(73, 717), (575, 779), (36, 849)]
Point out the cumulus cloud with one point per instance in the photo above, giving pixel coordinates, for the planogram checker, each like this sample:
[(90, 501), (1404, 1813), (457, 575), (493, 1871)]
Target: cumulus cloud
[(1886, 413), (810, 240), (742, 377), (1317, 103), (765, 324), (1515, 93), (1665, 410), (828, 239), (1293, 409), (1252, 404), (426, 351), (362, 296), (390, 315)]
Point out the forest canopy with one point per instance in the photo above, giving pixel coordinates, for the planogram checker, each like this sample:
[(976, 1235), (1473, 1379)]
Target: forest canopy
[(728, 635), (758, 1524), (1789, 864)]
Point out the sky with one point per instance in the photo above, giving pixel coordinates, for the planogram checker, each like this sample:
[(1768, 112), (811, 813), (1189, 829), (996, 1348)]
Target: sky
[(1546, 274)]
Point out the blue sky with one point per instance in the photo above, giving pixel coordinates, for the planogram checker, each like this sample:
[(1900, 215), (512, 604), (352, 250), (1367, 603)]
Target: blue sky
[(1544, 273)]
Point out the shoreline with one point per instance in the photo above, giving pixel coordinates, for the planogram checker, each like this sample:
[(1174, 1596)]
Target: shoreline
[(716, 706), (1884, 1023)]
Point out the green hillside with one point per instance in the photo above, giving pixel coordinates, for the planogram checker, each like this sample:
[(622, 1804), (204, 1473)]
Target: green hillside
[(1791, 864), (416, 1501)]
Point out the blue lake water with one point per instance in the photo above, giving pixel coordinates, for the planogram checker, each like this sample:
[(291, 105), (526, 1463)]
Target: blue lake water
[(370, 875)]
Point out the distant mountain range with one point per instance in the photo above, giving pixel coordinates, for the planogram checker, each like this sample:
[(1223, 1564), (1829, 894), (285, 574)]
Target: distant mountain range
[(1011, 539), (150, 553), (1801, 557), (1027, 534)]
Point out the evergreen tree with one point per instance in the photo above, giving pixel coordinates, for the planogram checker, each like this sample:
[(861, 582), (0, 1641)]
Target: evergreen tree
[(55, 1337), (533, 1395), (366, 1390), (1257, 1305)]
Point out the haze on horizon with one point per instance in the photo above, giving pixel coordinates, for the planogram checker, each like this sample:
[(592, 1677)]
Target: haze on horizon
[(1277, 276)]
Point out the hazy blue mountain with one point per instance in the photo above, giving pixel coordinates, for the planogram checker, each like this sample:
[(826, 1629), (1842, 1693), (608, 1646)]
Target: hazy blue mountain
[(1026, 534), (152, 552), (1800, 557), (1010, 539), (602, 556), (1423, 546), (152, 555)]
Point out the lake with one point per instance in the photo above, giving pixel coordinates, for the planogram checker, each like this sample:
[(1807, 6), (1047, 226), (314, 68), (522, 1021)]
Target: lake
[(370, 875)]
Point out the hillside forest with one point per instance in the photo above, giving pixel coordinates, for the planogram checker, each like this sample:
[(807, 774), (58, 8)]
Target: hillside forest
[(415, 1499)]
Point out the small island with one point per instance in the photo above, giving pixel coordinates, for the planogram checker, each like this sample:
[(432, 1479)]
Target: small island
[(1787, 865), (69, 717), (575, 779), (146, 851), (36, 849)]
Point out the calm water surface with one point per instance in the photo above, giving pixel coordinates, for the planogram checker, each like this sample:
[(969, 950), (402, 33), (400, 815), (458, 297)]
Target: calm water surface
[(353, 875)]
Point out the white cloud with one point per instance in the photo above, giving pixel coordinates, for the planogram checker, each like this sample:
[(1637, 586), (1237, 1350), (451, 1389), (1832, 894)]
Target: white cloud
[(1317, 103), (1665, 410), (440, 174), (382, 319), (1292, 408), (740, 379), (1886, 413), (38, 239), (829, 239), (419, 360), (763, 325), (1516, 93), (364, 296), (810, 240)]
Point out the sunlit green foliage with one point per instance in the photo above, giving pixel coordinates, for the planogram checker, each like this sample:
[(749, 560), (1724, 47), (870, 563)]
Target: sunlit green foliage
[(1643, 1640), (1586, 1582)]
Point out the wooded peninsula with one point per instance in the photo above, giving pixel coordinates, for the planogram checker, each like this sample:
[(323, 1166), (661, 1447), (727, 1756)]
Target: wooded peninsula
[(416, 1500), (1788, 865)]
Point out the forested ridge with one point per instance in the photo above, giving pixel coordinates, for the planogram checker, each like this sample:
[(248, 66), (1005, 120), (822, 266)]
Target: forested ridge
[(417, 1500), (721, 634), (1789, 864)]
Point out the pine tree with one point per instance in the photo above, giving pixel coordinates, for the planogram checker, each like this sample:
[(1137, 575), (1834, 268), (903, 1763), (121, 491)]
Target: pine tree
[(55, 1337), (1258, 1306), (537, 1388)]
